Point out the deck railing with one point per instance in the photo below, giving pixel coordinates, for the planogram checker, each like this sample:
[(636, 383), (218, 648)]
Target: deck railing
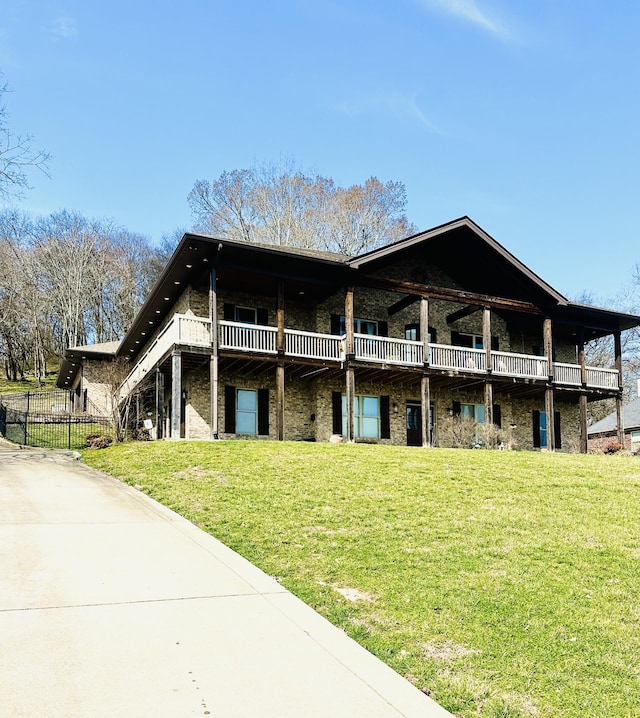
[(248, 337), (442, 356), (520, 365), (313, 346), (387, 350), (187, 330)]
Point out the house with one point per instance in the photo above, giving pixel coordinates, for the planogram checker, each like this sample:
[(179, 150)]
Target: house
[(239, 340), (606, 430)]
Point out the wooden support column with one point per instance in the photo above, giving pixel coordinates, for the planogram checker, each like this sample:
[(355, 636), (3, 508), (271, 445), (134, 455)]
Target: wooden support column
[(176, 393), (159, 404), (425, 401), (424, 329), (486, 335), (617, 341), (548, 345), (488, 403), (584, 436), (350, 399), (280, 401), (213, 361), (550, 412), (280, 347), (348, 322)]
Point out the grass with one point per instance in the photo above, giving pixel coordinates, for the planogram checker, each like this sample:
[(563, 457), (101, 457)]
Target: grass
[(29, 383), (505, 584)]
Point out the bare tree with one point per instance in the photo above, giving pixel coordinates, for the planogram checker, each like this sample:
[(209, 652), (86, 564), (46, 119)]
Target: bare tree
[(281, 204), (17, 156)]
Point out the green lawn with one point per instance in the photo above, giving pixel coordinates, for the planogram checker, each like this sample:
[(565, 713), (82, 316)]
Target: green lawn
[(29, 384), (505, 584)]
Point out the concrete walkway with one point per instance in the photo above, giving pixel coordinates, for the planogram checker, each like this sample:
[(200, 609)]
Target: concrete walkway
[(112, 605)]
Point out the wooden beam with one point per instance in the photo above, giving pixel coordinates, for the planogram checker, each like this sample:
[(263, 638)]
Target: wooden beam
[(176, 393), (549, 409), (350, 395), (213, 361), (548, 345), (348, 320), (453, 295), (486, 336), (280, 318), (424, 329), (462, 313), (280, 401), (425, 402), (488, 404), (584, 436), (402, 304)]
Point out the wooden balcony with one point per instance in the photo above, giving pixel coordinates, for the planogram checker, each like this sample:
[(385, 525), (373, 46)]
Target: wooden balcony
[(188, 331)]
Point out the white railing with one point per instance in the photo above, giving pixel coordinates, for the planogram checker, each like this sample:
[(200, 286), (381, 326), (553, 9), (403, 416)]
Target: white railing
[(442, 356), (602, 378), (195, 331), (314, 346), (248, 337), (520, 365), (166, 338), (566, 374), (387, 350)]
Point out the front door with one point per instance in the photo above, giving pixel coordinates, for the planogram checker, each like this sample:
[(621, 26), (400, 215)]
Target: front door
[(414, 424)]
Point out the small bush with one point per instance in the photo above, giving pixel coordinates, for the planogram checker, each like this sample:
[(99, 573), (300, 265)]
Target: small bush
[(99, 441), (141, 435), (613, 447)]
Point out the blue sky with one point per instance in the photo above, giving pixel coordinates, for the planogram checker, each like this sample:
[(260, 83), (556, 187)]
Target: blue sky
[(523, 115)]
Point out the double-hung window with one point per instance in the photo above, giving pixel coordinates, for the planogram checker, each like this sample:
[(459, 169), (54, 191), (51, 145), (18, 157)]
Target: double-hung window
[(361, 326)]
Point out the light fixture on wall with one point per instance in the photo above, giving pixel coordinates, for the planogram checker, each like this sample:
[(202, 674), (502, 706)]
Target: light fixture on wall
[(395, 408)]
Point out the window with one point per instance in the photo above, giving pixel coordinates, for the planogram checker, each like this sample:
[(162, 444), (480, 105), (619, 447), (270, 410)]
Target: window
[(360, 326), (366, 417), (472, 411), (472, 341), (412, 333), (246, 315), (246, 411), (635, 441)]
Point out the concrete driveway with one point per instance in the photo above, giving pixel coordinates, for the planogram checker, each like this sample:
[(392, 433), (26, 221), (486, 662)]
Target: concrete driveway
[(112, 605)]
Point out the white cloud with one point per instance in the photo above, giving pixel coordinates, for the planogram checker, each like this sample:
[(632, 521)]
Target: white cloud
[(395, 103), (64, 27), (470, 11)]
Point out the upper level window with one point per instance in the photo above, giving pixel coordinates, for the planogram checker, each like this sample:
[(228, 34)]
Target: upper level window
[(360, 326), (473, 341), (412, 333), (246, 315)]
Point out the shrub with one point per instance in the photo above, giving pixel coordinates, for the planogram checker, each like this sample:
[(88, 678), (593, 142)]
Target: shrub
[(99, 441), (613, 447)]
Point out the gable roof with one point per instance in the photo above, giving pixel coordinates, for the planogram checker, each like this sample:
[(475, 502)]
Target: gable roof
[(630, 420), (461, 249)]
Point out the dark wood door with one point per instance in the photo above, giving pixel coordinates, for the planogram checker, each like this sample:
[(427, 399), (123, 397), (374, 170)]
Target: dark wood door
[(414, 425)]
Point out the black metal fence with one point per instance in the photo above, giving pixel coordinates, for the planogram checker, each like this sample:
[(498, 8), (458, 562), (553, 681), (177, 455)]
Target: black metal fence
[(52, 430)]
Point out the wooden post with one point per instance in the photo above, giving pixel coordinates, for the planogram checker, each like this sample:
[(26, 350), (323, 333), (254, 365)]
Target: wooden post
[(213, 360), (159, 403), (280, 401), (582, 358), (584, 436), (488, 404), (548, 345), (617, 341), (350, 399), (486, 336), (176, 393), (280, 318), (425, 401), (348, 322), (550, 412), (424, 329), (280, 348)]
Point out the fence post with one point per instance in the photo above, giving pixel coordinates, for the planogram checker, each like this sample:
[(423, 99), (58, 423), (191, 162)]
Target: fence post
[(28, 400), (69, 441), (26, 422)]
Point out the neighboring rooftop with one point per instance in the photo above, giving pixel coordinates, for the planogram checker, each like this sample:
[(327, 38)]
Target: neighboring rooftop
[(630, 420)]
